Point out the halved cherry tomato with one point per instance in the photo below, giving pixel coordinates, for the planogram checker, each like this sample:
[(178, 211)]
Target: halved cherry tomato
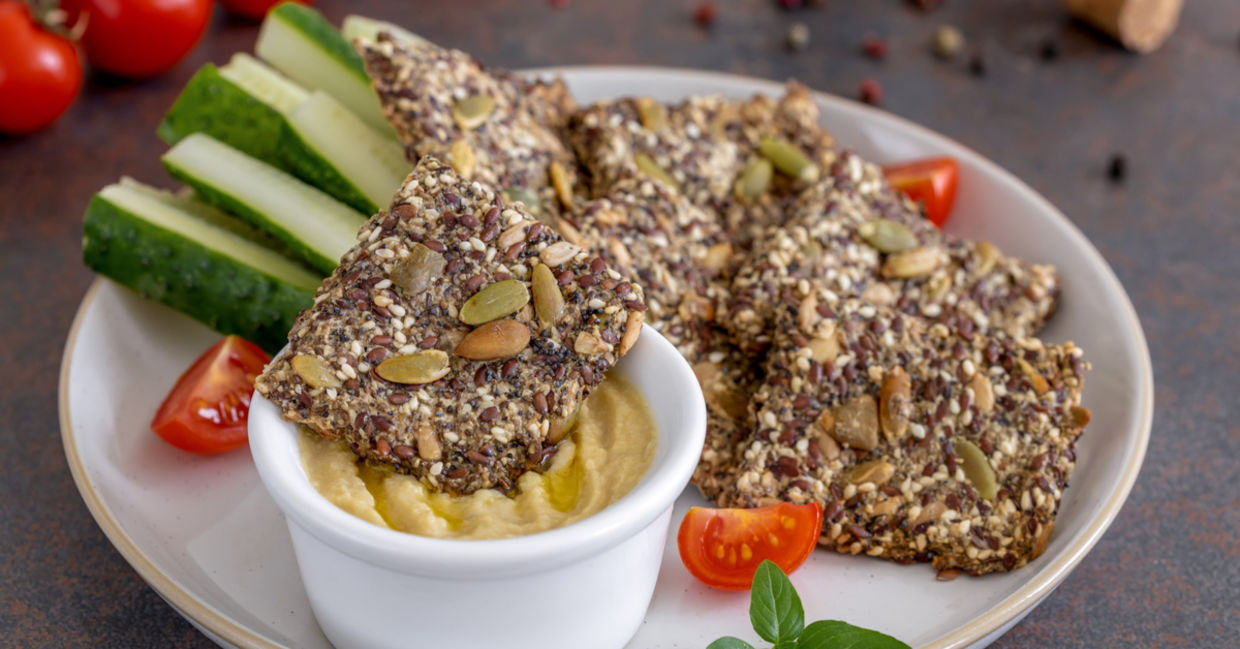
[(723, 547), (932, 181), (206, 411)]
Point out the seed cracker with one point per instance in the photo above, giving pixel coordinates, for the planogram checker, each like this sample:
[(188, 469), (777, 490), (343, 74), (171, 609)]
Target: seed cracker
[(513, 145), (399, 294), (887, 461), (703, 144), (942, 279)]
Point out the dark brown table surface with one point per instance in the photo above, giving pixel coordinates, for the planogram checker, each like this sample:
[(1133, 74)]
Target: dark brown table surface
[(1166, 574)]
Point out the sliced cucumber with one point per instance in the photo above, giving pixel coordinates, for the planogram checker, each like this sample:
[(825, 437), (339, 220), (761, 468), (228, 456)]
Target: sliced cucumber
[(328, 146), (356, 27), (315, 226), (263, 82), (241, 104), (301, 43), (141, 238)]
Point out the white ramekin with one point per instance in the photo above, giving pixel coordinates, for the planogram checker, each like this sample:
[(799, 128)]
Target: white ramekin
[(585, 585)]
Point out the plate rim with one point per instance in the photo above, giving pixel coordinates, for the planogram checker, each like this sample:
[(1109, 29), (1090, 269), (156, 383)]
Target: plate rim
[(1026, 596)]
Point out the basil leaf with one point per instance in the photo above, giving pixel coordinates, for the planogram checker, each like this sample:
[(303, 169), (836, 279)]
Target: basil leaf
[(833, 634), (728, 642), (774, 607)]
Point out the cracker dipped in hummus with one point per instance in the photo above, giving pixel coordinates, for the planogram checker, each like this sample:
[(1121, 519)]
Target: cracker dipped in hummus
[(456, 340)]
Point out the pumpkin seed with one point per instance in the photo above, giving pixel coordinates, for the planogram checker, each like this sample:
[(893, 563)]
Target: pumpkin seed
[(472, 111), (754, 180), (415, 273), (494, 302), (632, 328), (560, 428), (315, 372), (788, 159), (917, 262), (895, 403), (419, 367), (494, 340), (983, 393), (977, 468), (717, 256), (589, 343), (929, 514), (558, 253), (649, 167), (856, 423), (524, 196), (987, 257), (887, 236), (876, 471), (562, 184), (548, 300), (464, 159), (824, 348), (429, 448), (1040, 386), (652, 114)]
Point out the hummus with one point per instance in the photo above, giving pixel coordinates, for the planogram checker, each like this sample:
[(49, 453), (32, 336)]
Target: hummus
[(605, 455)]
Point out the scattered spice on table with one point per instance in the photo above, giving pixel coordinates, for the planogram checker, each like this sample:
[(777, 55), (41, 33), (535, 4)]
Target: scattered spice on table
[(947, 41), (871, 92), (977, 64), (1049, 50), (1117, 168), (798, 37), (704, 14), (874, 47)]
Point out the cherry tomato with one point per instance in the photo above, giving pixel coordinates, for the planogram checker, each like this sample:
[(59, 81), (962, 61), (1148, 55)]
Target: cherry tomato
[(723, 547), (253, 9), (138, 39), (932, 181), (40, 73), (207, 409)]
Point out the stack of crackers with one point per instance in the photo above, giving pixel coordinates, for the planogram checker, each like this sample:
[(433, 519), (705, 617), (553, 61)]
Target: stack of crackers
[(851, 354)]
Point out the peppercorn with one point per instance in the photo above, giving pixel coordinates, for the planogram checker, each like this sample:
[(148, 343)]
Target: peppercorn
[(874, 47), (977, 65), (870, 92), (704, 14), (1117, 168), (1049, 51)]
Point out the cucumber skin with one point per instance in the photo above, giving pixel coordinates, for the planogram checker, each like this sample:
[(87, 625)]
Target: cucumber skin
[(216, 106), (237, 208), (214, 289), (303, 161), (322, 33)]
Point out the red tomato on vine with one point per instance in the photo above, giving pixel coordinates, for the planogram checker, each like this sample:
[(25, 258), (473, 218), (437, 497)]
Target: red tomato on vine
[(40, 73), (138, 39)]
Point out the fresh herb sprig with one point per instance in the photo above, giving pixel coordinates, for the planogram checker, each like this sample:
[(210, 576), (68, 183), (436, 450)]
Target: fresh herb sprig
[(777, 616)]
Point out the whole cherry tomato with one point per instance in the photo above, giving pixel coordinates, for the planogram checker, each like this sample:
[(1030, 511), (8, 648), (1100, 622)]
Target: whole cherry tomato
[(931, 181), (207, 409), (723, 547), (40, 73), (138, 39), (253, 9)]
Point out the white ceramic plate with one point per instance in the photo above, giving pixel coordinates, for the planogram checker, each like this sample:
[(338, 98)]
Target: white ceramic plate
[(205, 535)]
